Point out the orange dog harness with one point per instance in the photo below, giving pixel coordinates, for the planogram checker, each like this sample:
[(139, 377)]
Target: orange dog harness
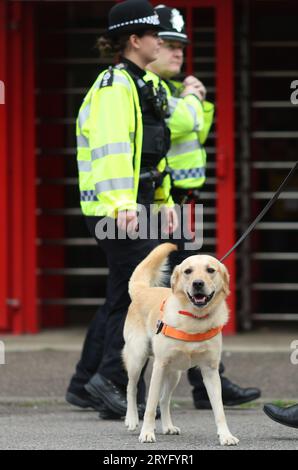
[(172, 332)]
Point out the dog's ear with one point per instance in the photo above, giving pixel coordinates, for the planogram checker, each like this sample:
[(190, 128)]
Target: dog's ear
[(174, 278), (225, 278)]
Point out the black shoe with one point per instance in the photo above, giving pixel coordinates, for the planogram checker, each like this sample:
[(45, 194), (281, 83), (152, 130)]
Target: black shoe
[(107, 414), (287, 416), (142, 409), (101, 388), (84, 400), (232, 395)]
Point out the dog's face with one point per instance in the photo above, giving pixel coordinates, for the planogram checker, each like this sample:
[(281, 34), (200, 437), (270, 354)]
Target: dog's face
[(201, 278)]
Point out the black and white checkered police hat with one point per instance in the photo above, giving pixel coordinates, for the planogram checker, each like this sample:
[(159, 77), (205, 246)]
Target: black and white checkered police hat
[(132, 16)]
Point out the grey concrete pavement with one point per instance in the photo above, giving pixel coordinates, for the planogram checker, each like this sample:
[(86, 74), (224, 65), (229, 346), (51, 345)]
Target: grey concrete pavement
[(41, 365), (71, 339), (61, 427), (34, 415), (45, 374)]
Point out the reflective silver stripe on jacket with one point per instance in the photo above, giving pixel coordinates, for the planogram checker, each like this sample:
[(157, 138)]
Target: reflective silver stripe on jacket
[(83, 115), (193, 112), (84, 165), (173, 102), (110, 149), (188, 173), (114, 183), (184, 147), (82, 141), (122, 80)]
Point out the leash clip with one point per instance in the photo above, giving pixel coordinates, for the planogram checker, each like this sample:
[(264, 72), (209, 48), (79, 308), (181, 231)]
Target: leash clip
[(159, 326)]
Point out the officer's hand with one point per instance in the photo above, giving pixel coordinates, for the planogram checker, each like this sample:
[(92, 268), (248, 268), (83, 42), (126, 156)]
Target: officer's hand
[(171, 220), (194, 82), (127, 221), (191, 90)]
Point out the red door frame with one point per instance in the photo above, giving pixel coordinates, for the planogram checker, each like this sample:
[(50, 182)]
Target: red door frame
[(16, 162), (32, 321), (225, 146), (4, 317), (18, 299)]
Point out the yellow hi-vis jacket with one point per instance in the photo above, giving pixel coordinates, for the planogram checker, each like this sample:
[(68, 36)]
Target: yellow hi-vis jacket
[(189, 122), (109, 146)]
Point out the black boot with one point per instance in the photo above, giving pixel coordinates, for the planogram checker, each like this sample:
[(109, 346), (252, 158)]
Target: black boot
[(107, 414), (113, 397), (82, 399), (287, 416), (232, 395), (142, 409)]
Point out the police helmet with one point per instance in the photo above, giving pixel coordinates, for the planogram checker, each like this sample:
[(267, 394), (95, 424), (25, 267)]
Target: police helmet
[(132, 16), (172, 22)]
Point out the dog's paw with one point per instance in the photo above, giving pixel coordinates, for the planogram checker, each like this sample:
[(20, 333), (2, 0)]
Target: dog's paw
[(147, 436), (131, 423), (228, 440), (171, 430)]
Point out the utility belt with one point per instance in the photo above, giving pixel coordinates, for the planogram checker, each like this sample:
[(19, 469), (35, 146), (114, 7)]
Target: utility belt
[(183, 196), (152, 174), (151, 177)]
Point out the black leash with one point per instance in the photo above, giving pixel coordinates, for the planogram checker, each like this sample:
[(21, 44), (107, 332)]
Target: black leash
[(261, 215)]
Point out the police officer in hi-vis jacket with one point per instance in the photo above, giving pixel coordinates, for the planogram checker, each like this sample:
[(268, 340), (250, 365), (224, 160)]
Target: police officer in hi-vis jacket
[(121, 138)]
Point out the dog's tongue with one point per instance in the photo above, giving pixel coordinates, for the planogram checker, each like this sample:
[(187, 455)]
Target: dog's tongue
[(200, 298)]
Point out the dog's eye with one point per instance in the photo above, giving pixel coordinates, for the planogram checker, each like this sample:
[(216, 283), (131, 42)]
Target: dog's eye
[(188, 271), (210, 270)]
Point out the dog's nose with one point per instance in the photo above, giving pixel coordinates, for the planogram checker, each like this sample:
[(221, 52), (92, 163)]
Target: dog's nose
[(198, 284)]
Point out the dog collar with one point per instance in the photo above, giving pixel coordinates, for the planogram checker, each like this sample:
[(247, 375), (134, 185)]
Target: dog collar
[(172, 332), (184, 312), (188, 314)]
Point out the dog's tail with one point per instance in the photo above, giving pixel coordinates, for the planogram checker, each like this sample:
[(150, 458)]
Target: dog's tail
[(149, 272)]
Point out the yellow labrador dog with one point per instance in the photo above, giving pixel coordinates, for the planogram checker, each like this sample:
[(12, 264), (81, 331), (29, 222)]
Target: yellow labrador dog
[(182, 327)]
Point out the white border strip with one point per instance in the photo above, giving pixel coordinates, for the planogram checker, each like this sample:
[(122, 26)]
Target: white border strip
[(169, 33)]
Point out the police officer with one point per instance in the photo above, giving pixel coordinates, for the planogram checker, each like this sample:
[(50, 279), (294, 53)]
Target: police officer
[(189, 121), (121, 137), (191, 115)]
